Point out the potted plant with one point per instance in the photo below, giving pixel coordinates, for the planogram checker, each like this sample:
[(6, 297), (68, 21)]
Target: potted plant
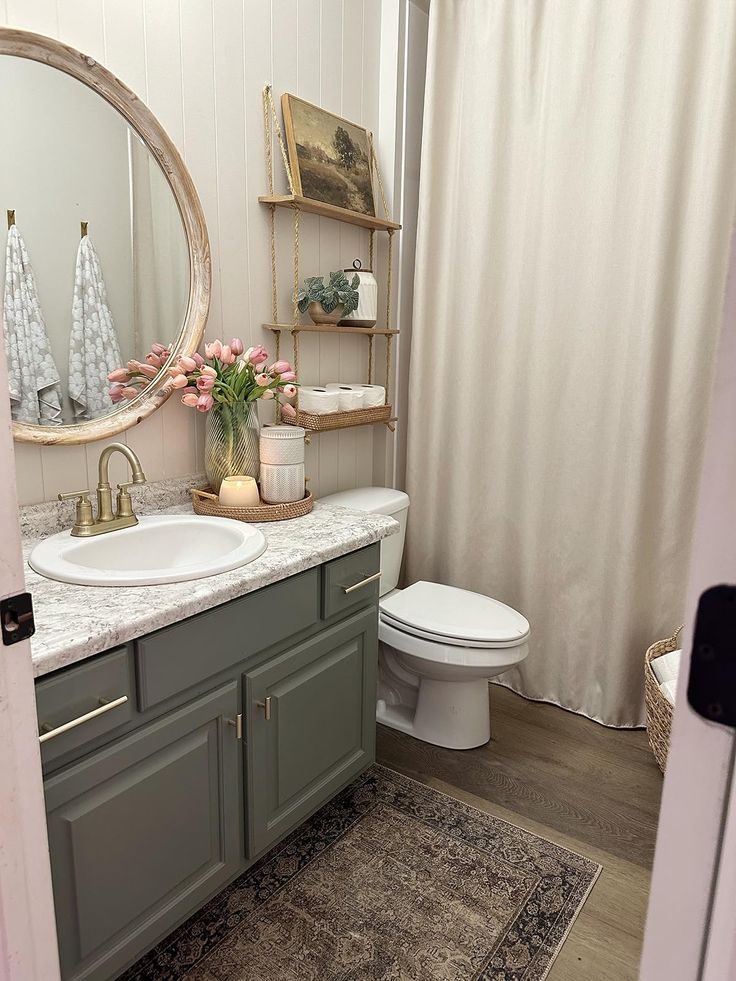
[(326, 304), (225, 384)]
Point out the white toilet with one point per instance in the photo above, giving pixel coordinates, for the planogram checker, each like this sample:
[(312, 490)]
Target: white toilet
[(439, 645)]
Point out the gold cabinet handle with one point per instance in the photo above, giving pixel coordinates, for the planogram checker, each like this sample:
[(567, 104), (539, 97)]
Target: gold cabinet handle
[(87, 717), (359, 585), (266, 706), (237, 724)]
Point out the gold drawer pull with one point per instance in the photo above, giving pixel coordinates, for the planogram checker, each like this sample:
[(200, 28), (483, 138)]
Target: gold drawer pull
[(364, 582), (104, 707), (266, 706)]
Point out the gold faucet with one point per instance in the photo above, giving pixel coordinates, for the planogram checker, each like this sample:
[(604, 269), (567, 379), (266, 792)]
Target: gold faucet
[(85, 524)]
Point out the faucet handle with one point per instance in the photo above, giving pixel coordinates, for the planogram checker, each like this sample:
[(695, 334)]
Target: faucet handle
[(124, 502), (83, 517)]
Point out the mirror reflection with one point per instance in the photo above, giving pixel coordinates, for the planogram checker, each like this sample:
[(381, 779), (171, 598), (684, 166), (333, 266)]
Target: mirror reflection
[(97, 265)]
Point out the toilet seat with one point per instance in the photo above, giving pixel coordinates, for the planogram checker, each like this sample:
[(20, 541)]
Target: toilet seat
[(449, 616)]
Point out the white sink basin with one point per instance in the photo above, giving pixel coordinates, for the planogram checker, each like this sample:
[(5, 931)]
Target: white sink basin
[(160, 548)]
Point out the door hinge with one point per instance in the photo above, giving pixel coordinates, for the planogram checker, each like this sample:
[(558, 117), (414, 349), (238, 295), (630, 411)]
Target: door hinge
[(711, 689), (16, 618)]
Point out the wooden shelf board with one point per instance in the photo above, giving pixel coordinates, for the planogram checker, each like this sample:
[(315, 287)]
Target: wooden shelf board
[(329, 211), (331, 329)]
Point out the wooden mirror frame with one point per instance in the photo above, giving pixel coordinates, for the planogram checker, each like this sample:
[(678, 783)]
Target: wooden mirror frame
[(37, 47)]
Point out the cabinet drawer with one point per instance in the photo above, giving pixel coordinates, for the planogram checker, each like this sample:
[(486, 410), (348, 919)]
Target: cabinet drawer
[(91, 698), (349, 582), (178, 657)]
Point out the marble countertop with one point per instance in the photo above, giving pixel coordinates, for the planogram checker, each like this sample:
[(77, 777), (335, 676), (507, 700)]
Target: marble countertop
[(75, 622)]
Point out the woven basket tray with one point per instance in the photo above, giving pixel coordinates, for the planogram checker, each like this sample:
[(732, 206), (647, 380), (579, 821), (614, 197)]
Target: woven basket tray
[(264, 512), (659, 708), (340, 420)]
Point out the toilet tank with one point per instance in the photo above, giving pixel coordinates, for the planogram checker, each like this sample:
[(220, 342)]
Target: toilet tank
[(380, 500)]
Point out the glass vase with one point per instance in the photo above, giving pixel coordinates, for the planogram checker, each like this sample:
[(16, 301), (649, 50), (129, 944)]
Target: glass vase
[(231, 442)]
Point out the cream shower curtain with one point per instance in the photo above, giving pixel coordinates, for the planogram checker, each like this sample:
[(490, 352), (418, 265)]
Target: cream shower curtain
[(577, 195)]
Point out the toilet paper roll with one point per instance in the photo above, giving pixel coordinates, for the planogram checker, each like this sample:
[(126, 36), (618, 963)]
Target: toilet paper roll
[(373, 395), (349, 396), (317, 399)]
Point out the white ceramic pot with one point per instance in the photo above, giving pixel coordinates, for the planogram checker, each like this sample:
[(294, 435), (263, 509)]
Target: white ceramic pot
[(282, 484), (367, 312)]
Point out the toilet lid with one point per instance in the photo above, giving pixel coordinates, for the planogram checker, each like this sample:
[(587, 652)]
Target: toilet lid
[(429, 609)]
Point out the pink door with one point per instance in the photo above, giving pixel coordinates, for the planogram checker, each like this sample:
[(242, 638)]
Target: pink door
[(691, 923)]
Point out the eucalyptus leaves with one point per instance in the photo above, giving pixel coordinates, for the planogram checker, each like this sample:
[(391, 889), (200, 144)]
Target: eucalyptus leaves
[(339, 292)]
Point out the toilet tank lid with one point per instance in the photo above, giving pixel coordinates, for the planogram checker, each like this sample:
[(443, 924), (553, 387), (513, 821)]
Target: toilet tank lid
[(375, 500)]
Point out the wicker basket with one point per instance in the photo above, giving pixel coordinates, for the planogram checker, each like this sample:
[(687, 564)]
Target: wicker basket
[(659, 708), (263, 512), (340, 420)]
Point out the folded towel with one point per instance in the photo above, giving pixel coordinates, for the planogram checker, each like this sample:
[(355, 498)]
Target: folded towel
[(33, 378), (666, 667), (93, 342), (669, 690)]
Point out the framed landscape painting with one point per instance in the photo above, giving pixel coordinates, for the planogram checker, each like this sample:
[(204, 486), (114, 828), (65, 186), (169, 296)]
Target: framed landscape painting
[(329, 156)]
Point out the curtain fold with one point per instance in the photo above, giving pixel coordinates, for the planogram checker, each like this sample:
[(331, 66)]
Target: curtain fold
[(577, 194)]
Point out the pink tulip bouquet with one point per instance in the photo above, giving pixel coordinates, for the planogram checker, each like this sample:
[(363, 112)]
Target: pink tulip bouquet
[(222, 377), (228, 374)]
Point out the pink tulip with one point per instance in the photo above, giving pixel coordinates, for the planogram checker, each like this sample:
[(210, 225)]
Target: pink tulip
[(205, 383), (263, 379), (256, 355), (148, 370), (191, 390), (213, 350), (236, 346), (160, 350), (267, 395), (187, 364), (205, 403), (289, 391), (207, 369), (199, 360), (133, 366), (288, 410), (119, 375), (154, 359), (278, 367), (116, 393), (288, 376), (129, 392), (175, 371), (180, 381), (190, 399), (227, 356)]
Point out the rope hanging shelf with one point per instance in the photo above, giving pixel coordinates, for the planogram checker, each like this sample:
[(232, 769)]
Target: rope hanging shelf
[(298, 204)]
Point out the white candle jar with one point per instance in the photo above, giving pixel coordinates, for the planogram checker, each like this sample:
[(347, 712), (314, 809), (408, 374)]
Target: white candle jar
[(367, 313)]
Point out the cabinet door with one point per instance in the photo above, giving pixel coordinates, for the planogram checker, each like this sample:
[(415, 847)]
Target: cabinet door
[(142, 832), (311, 717)]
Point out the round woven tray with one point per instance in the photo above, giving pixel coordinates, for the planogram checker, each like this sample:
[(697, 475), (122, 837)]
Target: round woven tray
[(659, 708), (264, 512)]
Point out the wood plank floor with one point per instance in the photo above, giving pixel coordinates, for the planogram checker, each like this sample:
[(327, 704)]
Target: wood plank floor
[(591, 789)]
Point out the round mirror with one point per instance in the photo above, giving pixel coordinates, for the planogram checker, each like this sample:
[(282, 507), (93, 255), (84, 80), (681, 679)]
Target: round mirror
[(107, 258)]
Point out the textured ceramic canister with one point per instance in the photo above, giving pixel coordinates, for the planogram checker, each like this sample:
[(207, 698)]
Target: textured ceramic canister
[(367, 312), (282, 444)]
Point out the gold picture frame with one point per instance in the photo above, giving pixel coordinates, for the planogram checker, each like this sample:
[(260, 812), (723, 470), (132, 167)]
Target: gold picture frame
[(330, 157)]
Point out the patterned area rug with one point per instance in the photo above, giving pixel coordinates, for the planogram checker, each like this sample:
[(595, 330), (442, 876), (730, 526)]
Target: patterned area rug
[(391, 881)]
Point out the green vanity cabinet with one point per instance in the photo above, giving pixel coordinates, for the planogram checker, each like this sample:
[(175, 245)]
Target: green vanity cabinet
[(142, 832), (311, 725), (172, 762)]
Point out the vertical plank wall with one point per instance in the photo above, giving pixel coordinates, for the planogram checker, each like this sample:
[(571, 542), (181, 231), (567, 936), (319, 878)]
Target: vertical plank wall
[(200, 65)]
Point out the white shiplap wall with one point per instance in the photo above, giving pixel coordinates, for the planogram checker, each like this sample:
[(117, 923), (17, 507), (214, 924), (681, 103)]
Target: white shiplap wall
[(200, 65)]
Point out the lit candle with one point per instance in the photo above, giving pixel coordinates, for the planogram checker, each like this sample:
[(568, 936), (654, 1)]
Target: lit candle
[(239, 492)]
